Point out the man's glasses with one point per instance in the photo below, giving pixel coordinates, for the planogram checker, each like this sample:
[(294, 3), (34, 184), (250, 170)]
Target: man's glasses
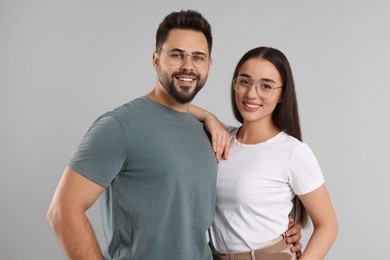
[(264, 88), (176, 57)]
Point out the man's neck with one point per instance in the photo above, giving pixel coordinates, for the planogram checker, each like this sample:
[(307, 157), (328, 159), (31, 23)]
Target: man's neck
[(163, 98)]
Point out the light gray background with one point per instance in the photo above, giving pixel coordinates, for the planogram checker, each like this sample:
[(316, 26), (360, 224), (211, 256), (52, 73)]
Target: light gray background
[(63, 63)]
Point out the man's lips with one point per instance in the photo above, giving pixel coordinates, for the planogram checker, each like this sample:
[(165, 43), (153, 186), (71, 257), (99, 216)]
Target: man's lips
[(185, 79), (186, 76)]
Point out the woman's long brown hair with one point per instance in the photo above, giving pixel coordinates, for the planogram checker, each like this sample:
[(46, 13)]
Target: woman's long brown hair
[(285, 116)]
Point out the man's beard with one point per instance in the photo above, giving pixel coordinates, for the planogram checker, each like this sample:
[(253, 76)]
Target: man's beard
[(184, 96)]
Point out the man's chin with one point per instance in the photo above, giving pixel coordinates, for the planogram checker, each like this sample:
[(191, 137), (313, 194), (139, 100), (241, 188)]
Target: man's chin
[(183, 99), (186, 92), (183, 94)]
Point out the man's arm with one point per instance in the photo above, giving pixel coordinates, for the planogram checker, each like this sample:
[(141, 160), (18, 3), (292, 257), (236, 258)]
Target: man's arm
[(293, 235), (74, 195)]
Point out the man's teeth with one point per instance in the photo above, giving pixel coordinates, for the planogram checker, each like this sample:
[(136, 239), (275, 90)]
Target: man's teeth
[(186, 79)]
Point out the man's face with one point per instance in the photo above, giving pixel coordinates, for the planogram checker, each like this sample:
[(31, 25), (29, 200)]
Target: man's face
[(182, 80)]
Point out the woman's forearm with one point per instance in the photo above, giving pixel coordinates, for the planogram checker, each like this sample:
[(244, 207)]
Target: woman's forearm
[(324, 221), (220, 138), (200, 113), (320, 242)]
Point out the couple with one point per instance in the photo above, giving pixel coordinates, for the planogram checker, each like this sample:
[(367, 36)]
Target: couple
[(151, 162)]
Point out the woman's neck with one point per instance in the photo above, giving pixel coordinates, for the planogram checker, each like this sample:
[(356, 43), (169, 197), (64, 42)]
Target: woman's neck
[(255, 132)]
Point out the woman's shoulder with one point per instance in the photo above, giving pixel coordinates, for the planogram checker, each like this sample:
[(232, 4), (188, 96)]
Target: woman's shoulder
[(288, 139), (296, 147), (290, 143)]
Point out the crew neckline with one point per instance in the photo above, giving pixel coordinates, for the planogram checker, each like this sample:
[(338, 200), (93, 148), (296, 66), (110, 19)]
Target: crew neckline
[(272, 139), (163, 107)]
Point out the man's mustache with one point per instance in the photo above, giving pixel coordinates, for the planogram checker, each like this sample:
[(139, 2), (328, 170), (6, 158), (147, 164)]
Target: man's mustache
[(186, 73)]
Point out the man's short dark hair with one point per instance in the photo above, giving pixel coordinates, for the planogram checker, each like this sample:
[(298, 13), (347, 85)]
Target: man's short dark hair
[(187, 20)]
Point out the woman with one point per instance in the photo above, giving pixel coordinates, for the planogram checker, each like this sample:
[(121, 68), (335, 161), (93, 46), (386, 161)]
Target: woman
[(270, 174)]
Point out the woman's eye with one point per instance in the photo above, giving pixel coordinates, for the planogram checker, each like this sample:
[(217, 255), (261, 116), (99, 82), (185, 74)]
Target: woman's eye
[(245, 82)]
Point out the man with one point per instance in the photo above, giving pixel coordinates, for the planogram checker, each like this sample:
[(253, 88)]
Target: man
[(150, 159)]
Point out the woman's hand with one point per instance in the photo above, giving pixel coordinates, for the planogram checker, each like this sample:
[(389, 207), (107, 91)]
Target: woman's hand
[(220, 138)]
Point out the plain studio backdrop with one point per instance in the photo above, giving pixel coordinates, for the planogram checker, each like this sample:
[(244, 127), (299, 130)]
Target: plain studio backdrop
[(64, 63)]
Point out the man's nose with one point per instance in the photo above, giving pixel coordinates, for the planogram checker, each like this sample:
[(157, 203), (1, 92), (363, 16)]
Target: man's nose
[(187, 62)]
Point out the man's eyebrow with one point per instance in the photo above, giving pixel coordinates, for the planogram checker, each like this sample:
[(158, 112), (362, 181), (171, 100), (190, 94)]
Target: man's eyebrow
[(199, 52), (182, 50), (177, 49)]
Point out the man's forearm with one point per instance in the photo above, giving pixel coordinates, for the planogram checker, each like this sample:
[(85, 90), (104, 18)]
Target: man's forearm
[(76, 237)]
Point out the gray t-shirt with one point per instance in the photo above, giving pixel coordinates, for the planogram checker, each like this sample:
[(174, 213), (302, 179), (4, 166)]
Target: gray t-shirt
[(160, 174)]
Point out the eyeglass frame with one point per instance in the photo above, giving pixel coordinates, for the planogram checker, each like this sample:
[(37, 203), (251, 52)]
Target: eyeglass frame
[(187, 54), (257, 87)]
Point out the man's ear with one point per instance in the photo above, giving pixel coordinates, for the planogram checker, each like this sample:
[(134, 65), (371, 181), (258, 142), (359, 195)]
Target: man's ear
[(156, 60), (210, 63)]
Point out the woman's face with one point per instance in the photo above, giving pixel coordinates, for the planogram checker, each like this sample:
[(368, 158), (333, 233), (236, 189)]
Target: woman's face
[(253, 102)]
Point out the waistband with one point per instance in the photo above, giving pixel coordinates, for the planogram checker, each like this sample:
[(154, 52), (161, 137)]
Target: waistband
[(278, 250)]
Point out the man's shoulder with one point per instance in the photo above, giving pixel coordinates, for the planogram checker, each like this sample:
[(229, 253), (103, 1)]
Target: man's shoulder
[(132, 107)]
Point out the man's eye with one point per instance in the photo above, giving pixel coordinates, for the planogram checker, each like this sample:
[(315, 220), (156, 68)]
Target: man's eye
[(198, 58), (176, 55)]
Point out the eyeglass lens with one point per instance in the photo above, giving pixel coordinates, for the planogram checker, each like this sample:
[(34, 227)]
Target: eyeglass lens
[(177, 57), (263, 88)]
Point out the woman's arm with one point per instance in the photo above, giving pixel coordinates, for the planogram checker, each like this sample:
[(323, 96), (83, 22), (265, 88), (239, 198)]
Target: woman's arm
[(220, 138), (319, 206)]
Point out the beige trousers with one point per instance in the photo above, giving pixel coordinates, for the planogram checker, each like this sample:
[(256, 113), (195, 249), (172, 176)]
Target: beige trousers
[(278, 250)]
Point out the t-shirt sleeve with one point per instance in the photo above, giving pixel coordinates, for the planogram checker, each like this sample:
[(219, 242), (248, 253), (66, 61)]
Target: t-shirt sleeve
[(304, 170), (102, 151)]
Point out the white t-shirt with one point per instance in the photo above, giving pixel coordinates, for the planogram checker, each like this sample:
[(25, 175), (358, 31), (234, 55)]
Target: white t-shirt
[(255, 188)]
